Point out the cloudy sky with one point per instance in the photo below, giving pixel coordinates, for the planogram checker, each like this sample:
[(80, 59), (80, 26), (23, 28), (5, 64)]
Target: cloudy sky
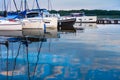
[(86, 4), (74, 4)]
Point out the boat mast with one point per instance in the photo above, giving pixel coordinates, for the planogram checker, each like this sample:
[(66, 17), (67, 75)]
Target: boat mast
[(5, 9), (37, 4), (5, 5), (25, 6), (21, 5), (15, 5), (48, 5)]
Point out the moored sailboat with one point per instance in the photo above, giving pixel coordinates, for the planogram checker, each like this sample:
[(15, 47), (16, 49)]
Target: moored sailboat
[(9, 24), (39, 17), (30, 21)]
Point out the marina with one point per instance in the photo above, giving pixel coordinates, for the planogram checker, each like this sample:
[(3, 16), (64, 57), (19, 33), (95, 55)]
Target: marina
[(38, 41)]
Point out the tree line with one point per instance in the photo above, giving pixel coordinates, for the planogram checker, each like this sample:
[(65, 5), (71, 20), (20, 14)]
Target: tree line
[(88, 12)]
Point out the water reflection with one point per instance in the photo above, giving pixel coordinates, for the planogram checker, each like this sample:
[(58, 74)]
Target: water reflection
[(50, 32), (65, 53), (67, 29), (85, 25)]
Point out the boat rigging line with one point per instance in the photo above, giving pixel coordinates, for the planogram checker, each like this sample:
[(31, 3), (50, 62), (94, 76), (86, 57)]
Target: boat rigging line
[(16, 59), (26, 43), (15, 5)]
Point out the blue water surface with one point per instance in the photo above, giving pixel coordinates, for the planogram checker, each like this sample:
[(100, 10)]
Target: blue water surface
[(91, 53)]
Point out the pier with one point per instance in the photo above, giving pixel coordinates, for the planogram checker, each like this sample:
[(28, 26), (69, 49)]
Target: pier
[(108, 21)]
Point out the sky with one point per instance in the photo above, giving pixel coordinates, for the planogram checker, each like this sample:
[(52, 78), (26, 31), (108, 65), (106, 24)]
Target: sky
[(73, 4), (86, 4)]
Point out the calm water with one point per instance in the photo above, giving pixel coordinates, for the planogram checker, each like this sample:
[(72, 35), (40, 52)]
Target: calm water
[(90, 53)]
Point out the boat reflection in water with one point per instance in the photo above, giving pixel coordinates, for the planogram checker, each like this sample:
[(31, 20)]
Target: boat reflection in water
[(67, 29), (11, 33), (20, 53), (49, 33), (85, 25), (55, 55), (27, 55)]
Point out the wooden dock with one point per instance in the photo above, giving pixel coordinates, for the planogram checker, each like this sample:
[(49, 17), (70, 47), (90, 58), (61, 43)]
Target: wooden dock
[(108, 21)]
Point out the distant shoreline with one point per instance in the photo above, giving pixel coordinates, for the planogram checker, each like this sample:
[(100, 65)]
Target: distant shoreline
[(98, 13)]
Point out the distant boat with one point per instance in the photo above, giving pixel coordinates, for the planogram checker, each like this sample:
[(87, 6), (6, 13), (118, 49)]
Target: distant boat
[(81, 17), (66, 22)]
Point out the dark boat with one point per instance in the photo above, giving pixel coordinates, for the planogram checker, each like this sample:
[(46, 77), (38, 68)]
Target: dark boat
[(66, 22)]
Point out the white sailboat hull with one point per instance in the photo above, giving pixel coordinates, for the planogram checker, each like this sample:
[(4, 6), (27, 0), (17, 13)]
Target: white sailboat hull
[(33, 24), (38, 22), (51, 21), (9, 25)]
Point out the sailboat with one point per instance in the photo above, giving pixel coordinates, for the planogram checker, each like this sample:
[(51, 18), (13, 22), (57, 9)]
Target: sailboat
[(19, 22), (9, 24), (42, 14), (48, 17), (31, 22)]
